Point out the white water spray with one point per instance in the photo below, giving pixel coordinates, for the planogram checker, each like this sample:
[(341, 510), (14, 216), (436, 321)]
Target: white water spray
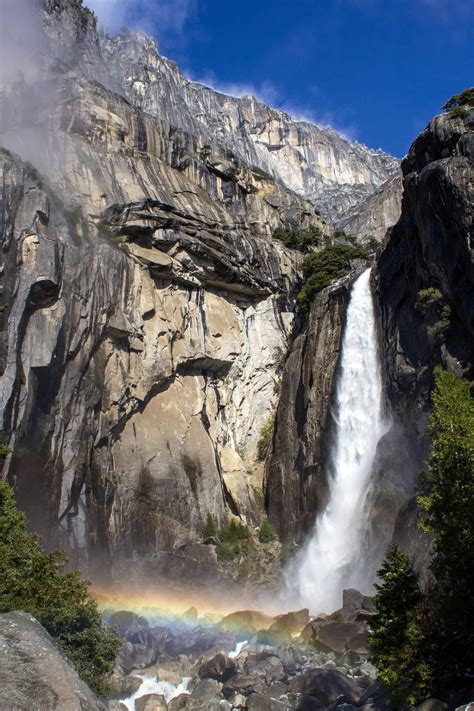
[(333, 558)]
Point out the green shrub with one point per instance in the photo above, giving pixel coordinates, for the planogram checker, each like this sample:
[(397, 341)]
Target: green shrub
[(4, 449), (235, 532), (210, 529), (227, 551), (265, 439), (266, 533), (36, 582), (460, 104), (436, 312), (320, 269), (301, 239), (258, 493)]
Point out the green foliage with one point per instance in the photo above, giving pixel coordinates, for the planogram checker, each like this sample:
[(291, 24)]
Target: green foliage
[(210, 529), (371, 245), (4, 449), (424, 644), (265, 439), (301, 239), (322, 268), (448, 501), (227, 551), (436, 312), (399, 639), (234, 541), (36, 582), (460, 104), (235, 532), (267, 533)]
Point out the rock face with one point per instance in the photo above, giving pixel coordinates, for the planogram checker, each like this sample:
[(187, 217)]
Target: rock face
[(431, 247), (295, 483), (316, 163), (146, 310), (143, 321), (35, 674), (373, 216)]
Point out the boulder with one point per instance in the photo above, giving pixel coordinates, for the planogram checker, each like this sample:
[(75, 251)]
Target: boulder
[(354, 602), (122, 686), (116, 706), (326, 686), (336, 636), (219, 667), (35, 674), (291, 623), (266, 665), (247, 621), (259, 702), (243, 684), (151, 702), (434, 705)]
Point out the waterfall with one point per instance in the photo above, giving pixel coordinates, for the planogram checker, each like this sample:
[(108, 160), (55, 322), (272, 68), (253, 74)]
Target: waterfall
[(332, 558)]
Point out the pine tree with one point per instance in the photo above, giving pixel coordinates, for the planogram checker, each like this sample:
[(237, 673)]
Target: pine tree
[(449, 505), (399, 631), (36, 582)]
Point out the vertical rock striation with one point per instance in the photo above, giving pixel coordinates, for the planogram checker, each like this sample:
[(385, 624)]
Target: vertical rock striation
[(430, 248)]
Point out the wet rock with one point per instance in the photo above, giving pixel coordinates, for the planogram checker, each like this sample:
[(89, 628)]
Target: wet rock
[(265, 664), (125, 620), (436, 705), (151, 702), (259, 702), (35, 673), (325, 686), (243, 684), (354, 603), (247, 621), (291, 623), (123, 686), (219, 668)]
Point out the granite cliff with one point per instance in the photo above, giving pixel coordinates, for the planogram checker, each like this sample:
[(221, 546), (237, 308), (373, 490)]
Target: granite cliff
[(146, 310), (424, 287), (147, 314)]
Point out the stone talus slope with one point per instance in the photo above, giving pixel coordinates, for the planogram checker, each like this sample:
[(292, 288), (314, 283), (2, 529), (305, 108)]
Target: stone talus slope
[(145, 315)]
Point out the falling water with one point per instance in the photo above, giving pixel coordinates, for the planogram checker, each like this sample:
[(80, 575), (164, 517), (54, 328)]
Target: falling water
[(332, 559)]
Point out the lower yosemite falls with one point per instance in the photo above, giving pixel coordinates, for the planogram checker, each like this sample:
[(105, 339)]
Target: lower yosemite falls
[(333, 557), (222, 334)]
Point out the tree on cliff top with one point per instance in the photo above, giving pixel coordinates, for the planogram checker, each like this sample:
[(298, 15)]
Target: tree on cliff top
[(36, 582)]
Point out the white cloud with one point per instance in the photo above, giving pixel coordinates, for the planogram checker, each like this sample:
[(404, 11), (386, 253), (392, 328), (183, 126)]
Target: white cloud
[(157, 16), (266, 92)]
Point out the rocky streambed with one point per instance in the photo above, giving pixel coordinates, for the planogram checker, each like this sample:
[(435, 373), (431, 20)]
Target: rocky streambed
[(248, 660)]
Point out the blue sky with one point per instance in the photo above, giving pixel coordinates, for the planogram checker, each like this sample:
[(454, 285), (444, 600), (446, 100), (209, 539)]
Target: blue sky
[(375, 69)]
